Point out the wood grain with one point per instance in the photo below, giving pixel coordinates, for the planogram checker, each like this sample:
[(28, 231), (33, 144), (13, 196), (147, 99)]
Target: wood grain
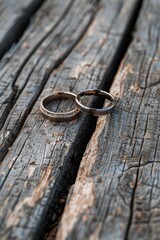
[(39, 166), (116, 194)]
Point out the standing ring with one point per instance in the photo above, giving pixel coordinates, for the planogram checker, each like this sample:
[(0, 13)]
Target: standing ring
[(95, 111)]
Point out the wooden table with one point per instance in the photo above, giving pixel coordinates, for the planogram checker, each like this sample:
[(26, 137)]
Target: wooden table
[(91, 178)]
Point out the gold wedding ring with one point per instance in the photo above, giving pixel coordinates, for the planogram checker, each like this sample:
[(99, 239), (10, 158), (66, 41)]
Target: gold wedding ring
[(58, 116)]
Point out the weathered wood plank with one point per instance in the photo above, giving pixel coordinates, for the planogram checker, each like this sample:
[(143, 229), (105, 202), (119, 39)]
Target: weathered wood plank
[(36, 70), (14, 18), (39, 165), (116, 194)]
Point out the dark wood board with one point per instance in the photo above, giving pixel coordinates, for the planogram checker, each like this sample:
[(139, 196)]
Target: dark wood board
[(37, 168), (15, 15), (116, 194), (10, 10)]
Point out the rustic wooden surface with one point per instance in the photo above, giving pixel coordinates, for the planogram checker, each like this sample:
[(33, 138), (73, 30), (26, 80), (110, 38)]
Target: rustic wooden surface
[(116, 194), (73, 45), (40, 165)]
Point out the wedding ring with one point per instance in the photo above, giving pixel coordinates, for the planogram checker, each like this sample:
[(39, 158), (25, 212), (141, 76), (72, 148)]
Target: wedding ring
[(95, 111), (58, 116)]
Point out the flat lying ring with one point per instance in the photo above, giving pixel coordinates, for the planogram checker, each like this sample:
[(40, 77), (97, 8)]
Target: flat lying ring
[(95, 111), (56, 116)]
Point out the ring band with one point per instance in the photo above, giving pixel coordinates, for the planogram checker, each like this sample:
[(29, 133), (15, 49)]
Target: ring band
[(59, 117), (95, 111)]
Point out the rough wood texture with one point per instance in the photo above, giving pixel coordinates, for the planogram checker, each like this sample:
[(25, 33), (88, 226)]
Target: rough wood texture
[(116, 194), (14, 18), (38, 167)]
